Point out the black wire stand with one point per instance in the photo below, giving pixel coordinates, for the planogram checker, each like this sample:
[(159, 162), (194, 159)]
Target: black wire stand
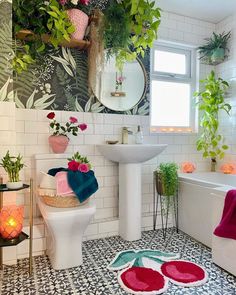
[(167, 206)]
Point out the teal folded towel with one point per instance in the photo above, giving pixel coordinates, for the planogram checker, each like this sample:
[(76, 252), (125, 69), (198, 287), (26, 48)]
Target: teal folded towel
[(82, 184)]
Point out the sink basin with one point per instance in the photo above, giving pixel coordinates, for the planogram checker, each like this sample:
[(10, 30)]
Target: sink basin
[(130, 157), (130, 153)]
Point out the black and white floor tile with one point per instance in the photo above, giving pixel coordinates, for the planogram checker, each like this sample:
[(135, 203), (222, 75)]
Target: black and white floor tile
[(93, 278)]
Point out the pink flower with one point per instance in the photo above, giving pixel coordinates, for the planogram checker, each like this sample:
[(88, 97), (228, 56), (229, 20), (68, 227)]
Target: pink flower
[(63, 2), (51, 115), (84, 2), (82, 126), (73, 120), (120, 79), (84, 168), (73, 165)]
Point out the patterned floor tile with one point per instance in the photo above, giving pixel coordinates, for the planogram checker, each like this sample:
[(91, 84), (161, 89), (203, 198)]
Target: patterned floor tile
[(93, 277)]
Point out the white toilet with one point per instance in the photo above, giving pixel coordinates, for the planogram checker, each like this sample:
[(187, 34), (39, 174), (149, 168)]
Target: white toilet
[(65, 226)]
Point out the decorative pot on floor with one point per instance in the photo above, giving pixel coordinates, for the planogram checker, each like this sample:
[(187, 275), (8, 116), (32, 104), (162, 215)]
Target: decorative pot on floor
[(80, 20), (58, 143)]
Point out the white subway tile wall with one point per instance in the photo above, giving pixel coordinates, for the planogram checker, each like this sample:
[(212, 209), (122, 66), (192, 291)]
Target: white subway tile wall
[(27, 131)]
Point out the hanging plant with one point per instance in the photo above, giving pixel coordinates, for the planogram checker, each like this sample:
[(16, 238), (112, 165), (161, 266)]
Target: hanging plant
[(215, 50), (38, 19), (139, 20), (211, 100)]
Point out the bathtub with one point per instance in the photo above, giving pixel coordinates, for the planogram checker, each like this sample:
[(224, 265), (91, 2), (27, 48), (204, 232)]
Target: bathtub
[(197, 201)]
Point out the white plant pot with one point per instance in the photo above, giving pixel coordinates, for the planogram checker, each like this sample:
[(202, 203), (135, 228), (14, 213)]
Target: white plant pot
[(14, 185)]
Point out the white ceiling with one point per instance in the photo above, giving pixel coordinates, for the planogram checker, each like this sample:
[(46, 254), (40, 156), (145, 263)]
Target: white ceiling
[(209, 10)]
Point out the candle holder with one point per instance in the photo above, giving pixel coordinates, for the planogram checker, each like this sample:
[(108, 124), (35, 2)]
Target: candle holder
[(11, 221)]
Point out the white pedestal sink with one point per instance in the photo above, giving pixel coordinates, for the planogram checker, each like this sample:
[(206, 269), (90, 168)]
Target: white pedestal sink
[(130, 158)]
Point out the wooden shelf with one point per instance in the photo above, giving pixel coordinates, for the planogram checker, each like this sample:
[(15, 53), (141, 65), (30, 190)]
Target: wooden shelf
[(73, 43), (13, 242)]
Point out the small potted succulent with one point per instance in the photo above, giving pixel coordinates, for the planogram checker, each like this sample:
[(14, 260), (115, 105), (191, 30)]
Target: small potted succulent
[(215, 50), (59, 139), (12, 165)]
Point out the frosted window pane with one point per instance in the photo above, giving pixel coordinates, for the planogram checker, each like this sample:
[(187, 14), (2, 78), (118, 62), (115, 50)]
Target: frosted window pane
[(170, 104), (169, 62)]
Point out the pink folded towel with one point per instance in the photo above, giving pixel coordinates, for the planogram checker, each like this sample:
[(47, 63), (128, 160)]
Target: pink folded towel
[(227, 225), (63, 187)]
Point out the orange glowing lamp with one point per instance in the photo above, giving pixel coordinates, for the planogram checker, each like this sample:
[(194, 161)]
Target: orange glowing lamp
[(188, 167), (11, 221), (228, 168)]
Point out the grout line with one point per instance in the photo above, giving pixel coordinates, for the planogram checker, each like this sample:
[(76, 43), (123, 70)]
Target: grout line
[(35, 277), (102, 275), (71, 282)]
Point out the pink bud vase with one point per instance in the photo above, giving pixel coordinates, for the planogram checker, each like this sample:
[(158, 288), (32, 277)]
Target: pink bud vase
[(80, 20), (58, 143)]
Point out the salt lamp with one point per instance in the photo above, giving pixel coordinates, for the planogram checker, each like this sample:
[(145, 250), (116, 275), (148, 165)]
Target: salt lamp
[(11, 221), (187, 167), (228, 168)]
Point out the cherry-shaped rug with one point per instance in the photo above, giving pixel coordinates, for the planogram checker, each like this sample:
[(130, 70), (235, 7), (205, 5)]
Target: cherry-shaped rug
[(148, 271), (184, 273), (142, 280)]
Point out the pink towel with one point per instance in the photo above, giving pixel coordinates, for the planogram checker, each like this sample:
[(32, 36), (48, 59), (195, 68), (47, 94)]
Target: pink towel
[(63, 187), (227, 225)]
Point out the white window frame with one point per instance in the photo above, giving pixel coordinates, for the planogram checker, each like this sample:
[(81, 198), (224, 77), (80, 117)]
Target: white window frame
[(189, 77)]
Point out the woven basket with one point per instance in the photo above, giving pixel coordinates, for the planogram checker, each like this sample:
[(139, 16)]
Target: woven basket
[(51, 199)]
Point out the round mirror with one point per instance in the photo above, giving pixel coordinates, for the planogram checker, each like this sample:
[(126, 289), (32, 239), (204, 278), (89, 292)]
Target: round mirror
[(120, 91)]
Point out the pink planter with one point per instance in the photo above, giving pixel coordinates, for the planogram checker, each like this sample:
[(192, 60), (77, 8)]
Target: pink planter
[(80, 20), (58, 143)]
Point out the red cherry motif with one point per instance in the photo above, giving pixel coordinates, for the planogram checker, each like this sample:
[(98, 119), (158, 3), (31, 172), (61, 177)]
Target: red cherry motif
[(138, 279), (184, 273)]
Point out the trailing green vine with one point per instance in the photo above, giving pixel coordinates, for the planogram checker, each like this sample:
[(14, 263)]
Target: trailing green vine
[(211, 100)]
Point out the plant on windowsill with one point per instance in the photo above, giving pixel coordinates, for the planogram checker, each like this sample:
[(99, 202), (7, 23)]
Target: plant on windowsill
[(211, 100), (12, 165), (215, 50), (59, 139)]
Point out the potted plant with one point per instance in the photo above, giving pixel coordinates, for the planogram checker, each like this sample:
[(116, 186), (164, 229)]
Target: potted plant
[(12, 165), (215, 50), (211, 100), (139, 21), (166, 181), (59, 139), (78, 12), (42, 22)]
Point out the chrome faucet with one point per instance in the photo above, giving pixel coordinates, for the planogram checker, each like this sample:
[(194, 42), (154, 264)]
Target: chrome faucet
[(125, 133)]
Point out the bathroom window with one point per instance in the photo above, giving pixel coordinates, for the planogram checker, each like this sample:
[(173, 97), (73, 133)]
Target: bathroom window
[(173, 82)]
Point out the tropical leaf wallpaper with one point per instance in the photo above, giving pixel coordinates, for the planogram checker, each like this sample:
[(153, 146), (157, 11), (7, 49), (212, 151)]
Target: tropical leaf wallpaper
[(58, 82)]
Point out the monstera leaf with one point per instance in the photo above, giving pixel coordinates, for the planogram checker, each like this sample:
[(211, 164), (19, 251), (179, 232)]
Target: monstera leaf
[(139, 258)]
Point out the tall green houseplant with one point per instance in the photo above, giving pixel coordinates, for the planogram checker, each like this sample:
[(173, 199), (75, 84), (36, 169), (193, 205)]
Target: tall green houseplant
[(211, 100)]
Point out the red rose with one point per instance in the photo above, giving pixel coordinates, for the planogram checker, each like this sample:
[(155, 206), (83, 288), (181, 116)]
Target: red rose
[(73, 165), (73, 120), (51, 115), (84, 2), (82, 126)]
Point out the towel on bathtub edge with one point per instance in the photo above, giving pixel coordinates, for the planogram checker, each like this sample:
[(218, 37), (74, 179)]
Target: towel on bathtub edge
[(227, 225)]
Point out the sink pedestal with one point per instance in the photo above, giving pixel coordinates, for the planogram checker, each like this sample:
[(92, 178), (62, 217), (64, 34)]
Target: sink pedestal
[(130, 158), (130, 201)]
